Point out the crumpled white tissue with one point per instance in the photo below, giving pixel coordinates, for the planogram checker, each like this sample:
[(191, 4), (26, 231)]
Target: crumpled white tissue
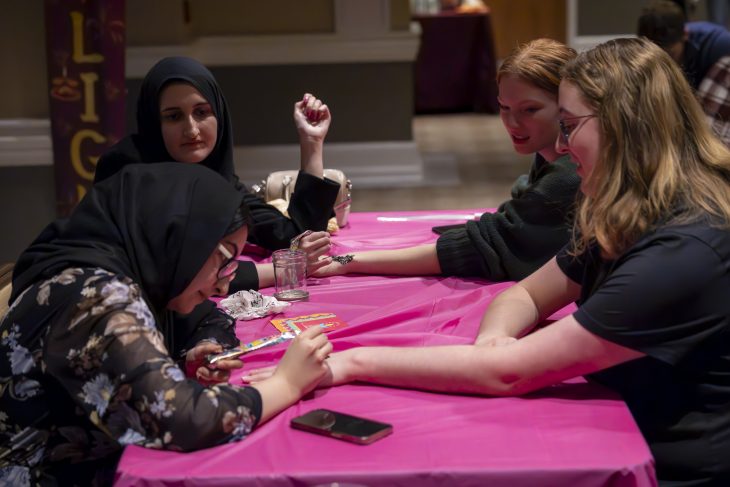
[(249, 305)]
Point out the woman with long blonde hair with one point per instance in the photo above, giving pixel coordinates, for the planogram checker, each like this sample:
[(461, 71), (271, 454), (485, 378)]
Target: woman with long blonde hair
[(649, 266), (659, 161)]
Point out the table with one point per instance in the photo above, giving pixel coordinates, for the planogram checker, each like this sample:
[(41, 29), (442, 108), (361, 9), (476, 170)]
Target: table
[(575, 433), (455, 68)]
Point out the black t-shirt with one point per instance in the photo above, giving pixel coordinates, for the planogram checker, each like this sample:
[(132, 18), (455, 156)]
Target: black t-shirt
[(668, 297)]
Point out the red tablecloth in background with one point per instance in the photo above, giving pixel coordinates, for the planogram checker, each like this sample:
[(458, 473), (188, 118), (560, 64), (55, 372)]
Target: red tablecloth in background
[(574, 434)]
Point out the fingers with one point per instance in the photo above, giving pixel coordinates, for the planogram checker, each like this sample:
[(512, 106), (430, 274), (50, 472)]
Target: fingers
[(324, 351), (312, 108), (199, 351), (320, 340), (257, 375), (316, 236), (311, 340), (314, 266), (229, 364), (311, 333), (315, 244), (319, 345), (207, 376)]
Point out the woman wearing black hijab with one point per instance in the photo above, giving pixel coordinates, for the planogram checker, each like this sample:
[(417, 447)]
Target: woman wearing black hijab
[(84, 369), (179, 99)]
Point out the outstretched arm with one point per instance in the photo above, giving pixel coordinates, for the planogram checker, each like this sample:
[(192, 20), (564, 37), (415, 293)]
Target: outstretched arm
[(548, 356), (411, 261), (499, 363)]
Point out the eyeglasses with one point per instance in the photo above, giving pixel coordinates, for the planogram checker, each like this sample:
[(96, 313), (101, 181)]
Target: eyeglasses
[(230, 266), (566, 131)]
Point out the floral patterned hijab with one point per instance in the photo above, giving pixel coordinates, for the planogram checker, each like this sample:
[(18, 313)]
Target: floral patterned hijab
[(156, 224), (148, 146)]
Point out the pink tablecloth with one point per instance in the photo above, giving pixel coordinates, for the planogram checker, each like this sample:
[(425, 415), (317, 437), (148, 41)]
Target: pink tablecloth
[(574, 434)]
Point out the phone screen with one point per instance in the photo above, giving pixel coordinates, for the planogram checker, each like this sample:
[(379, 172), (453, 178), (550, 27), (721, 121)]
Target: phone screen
[(342, 426)]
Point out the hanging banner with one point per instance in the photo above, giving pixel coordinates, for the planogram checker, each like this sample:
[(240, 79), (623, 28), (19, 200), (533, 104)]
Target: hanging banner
[(85, 41)]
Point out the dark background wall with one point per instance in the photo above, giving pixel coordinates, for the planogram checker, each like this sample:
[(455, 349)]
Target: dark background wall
[(28, 204), (371, 101)]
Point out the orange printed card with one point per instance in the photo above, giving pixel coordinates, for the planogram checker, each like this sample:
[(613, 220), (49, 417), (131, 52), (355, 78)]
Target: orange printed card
[(298, 324)]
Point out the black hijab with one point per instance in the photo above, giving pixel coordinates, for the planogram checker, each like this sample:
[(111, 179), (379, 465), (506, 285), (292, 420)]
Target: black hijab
[(156, 224), (147, 145)]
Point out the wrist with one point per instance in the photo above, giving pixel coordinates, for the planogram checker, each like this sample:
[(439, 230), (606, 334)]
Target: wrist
[(288, 390), (311, 150), (313, 141), (354, 364), (312, 160), (347, 263)]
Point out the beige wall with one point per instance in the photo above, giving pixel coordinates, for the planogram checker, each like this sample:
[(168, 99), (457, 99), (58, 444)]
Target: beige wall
[(156, 22), (235, 17), (23, 60), (225, 17), (149, 23), (400, 14), (174, 24)]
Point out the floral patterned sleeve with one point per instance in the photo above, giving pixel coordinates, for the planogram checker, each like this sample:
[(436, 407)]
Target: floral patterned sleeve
[(111, 359), (205, 323)]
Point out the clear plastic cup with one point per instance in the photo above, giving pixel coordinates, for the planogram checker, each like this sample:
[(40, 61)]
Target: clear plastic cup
[(290, 274)]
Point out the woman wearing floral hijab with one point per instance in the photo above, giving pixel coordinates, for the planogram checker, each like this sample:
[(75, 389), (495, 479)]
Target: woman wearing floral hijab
[(84, 368)]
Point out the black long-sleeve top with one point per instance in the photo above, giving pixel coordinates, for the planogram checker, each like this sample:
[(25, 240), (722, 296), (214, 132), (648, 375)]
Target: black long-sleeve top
[(310, 208), (524, 232)]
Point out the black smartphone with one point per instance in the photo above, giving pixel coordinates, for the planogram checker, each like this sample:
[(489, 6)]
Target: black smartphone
[(342, 426)]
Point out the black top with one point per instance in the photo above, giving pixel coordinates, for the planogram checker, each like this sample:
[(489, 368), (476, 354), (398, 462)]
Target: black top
[(148, 144), (667, 297), (114, 228), (312, 200), (524, 232), (155, 223), (84, 366)]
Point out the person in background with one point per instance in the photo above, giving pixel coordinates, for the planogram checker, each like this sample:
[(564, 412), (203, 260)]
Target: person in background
[(696, 46), (183, 116), (84, 369), (530, 228), (648, 264), (714, 96)]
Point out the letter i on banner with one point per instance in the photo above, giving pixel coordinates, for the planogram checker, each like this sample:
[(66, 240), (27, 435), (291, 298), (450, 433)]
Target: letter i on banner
[(85, 42)]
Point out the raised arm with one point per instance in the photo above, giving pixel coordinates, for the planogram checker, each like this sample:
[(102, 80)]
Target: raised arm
[(312, 119)]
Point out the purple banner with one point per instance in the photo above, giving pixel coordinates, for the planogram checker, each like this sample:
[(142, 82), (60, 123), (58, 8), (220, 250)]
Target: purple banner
[(85, 41)]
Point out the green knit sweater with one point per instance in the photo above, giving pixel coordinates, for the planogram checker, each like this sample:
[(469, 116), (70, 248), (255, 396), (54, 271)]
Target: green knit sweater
[(524, 232)]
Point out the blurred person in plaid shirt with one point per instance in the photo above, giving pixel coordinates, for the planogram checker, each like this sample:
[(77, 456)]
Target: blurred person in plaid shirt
[(714, 95), (695, 46)]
